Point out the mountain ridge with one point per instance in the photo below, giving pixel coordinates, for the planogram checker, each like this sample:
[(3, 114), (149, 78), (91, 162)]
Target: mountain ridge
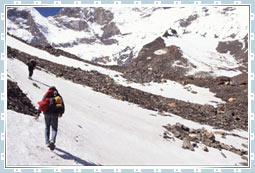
[(121, 38)]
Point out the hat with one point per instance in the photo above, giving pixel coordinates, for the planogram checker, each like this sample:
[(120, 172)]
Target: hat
[(53, 88)]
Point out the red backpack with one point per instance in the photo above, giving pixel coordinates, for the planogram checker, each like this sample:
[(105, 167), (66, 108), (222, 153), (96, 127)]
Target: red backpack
[(45, 103)]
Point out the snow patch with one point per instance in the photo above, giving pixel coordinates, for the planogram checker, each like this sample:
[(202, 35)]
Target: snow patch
[(160, 52), (204, 56)]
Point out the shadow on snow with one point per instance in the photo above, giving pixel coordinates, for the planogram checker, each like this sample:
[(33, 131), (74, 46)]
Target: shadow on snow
[(69, 156), (40, 82)]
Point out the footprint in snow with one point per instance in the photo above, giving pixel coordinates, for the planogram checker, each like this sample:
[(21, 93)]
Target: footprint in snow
[(76, 138)]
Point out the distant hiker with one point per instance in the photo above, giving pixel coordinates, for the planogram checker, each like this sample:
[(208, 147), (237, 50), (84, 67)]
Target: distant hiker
[(173, 32), (31, 66), (52, 106)]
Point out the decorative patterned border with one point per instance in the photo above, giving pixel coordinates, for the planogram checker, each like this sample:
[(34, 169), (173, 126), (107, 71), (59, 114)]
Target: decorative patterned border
[(158, 169)]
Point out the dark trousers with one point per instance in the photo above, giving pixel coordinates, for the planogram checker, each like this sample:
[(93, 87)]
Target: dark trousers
[(51, 120), (30, 72)]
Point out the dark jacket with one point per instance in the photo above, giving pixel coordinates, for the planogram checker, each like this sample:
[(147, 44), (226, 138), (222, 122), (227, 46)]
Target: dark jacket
[(31, 65), (55, 109)]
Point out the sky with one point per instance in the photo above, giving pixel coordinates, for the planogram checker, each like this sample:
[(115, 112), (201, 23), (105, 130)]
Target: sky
[(48, 11)]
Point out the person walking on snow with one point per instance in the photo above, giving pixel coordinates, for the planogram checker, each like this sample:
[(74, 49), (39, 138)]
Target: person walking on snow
[(53, 107), (31, 66)]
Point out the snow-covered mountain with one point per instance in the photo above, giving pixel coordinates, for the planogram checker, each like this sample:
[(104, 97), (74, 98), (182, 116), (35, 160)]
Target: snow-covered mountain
[(117, 35), (179, 95)]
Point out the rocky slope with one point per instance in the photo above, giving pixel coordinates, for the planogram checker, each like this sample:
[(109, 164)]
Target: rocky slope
[(232, 115), (193, 137), (17, 100)]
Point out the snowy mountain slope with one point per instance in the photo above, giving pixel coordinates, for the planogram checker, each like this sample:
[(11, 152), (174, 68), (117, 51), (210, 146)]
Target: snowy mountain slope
[(28, 24), (204, 56), (119, 37), (170, 89), (99, 123), (208, 27), (101, 130)]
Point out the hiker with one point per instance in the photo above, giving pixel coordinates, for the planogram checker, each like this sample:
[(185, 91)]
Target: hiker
[(173, 32), (53, 107), (31, 66)]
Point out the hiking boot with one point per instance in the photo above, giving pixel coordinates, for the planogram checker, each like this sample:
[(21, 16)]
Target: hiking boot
[(52, 145)]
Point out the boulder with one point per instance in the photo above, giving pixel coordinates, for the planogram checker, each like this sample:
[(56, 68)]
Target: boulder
[(241, 79), (205, 149), (187, 144), (172, 105), (231, 99)]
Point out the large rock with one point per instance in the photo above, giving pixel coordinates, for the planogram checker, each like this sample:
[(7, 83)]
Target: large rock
[(241, 79), (187, 144)]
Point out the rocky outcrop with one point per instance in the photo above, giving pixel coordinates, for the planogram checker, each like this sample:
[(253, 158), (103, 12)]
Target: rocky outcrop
[(156, 62), (236, 48), (192, 137), (27, 22), (65, 16), (241, 79), (78, 19), (110, 30), (70, 12), (186, 22), (17, 100), (102, 16)]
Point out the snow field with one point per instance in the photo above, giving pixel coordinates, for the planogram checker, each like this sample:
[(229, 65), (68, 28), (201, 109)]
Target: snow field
[(97, 129)]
